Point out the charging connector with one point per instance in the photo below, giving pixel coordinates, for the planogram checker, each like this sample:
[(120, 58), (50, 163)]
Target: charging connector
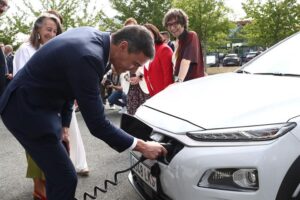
[(167, 146)]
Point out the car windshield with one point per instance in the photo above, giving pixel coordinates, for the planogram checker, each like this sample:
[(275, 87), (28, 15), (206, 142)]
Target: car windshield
[(251, 54), (278, 60), (231, 55)]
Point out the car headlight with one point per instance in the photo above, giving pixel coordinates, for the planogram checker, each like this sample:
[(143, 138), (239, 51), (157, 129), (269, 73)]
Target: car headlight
[(242, 134), (230, 179)]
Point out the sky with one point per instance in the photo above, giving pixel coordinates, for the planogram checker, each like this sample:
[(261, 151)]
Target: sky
[(236, 6)]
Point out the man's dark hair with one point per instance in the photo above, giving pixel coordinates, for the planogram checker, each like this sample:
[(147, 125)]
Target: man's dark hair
[(138, 37), (179, 15)]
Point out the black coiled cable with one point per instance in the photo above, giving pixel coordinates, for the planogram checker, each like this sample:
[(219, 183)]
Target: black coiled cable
[(115, 182)]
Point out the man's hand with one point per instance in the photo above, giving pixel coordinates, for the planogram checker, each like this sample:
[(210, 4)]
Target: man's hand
[(9, 76), (150, 150), (66, 137)]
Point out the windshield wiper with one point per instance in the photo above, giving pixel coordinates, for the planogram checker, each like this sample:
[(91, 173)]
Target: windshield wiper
[(277, 74), (241, 71)]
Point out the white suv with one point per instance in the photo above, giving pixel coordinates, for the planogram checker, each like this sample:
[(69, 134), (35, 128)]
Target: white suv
[(233, 136)]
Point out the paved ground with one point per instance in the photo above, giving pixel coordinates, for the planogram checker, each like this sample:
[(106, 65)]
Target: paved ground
[(102, 161)]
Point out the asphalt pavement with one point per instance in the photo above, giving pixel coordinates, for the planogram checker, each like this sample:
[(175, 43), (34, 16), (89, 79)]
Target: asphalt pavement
[(102, 161)]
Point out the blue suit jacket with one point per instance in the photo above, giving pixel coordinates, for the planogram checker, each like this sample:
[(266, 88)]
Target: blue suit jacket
[(68, 67)]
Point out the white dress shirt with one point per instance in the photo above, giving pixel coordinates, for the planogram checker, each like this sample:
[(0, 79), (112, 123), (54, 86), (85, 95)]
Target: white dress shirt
[(22, 55)]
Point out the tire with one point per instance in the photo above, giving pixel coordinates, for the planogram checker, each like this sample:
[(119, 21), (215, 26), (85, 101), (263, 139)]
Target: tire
[(290, 186)]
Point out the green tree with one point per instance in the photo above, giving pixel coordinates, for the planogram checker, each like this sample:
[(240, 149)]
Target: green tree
[(272, 21), (209, 18), (144, 11), (75, 13)]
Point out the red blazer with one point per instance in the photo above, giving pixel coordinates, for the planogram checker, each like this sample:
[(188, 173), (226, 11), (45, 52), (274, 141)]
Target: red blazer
[(160, 71)]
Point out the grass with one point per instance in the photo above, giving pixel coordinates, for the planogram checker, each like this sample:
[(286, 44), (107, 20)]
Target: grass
[(218, 70)]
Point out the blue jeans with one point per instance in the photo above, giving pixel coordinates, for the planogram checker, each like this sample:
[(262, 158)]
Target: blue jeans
[(115, 98)]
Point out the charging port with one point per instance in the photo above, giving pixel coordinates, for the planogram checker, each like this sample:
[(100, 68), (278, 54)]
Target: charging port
[(139, 129)]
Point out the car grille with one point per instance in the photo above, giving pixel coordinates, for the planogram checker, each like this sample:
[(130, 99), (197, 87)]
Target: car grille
[(231, 60)]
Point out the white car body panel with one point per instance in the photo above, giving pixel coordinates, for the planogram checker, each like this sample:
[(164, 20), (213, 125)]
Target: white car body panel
[(219, 106), (264, 92), (198, 160)]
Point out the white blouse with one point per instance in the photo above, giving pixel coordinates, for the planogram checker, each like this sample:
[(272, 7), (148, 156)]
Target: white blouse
[(22, 55)]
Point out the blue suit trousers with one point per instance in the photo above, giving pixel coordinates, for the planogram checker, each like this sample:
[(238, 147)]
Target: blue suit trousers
[(47, 151)]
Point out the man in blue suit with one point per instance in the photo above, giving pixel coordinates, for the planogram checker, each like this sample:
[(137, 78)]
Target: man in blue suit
[(71, 66)]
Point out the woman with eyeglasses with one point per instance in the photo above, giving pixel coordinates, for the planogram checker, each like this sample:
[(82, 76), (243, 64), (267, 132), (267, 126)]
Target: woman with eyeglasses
[(188, 57), (46, 27)]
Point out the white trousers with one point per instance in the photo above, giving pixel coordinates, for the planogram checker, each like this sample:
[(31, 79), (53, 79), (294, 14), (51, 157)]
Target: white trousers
[(77, 151)]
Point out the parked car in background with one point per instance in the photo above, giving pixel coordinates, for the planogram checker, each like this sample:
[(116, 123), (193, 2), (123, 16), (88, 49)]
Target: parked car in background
[(251, 55), (232, 60), (212, 60), (231, 136)]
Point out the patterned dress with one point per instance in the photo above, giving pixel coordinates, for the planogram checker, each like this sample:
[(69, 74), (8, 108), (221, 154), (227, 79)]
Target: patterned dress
[(135, 98)]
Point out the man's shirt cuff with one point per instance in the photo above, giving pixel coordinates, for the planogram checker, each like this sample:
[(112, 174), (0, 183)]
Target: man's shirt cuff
[(133, 144)]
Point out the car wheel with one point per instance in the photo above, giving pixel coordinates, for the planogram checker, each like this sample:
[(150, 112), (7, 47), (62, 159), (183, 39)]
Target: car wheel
[(290, 186)]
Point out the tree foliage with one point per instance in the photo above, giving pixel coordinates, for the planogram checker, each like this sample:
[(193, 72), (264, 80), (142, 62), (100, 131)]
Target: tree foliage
[(75, 13), (144, 11), (272, 21), (209, 18)]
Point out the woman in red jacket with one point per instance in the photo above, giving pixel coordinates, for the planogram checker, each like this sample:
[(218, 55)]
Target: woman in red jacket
[(159, 73)]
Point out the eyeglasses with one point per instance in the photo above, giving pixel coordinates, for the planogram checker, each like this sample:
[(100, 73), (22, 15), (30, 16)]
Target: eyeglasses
[(4, 6), (171, 24)]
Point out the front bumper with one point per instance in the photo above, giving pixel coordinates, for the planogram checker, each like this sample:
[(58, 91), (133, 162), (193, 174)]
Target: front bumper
[(180, 177), (143, 190)]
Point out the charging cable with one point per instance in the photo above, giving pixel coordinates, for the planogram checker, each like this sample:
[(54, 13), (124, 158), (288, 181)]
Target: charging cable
[(168, 146), (106, 182)]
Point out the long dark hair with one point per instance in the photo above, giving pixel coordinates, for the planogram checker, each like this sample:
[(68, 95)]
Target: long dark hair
[(158, 39)]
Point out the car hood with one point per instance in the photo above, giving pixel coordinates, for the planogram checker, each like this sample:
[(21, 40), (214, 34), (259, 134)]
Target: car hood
[(230, 100)]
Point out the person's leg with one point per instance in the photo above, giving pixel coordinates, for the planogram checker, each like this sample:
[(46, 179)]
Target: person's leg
[(123, 103), (46, 150), (124, 98), (37, 175), (58, 168), (115, 98)]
